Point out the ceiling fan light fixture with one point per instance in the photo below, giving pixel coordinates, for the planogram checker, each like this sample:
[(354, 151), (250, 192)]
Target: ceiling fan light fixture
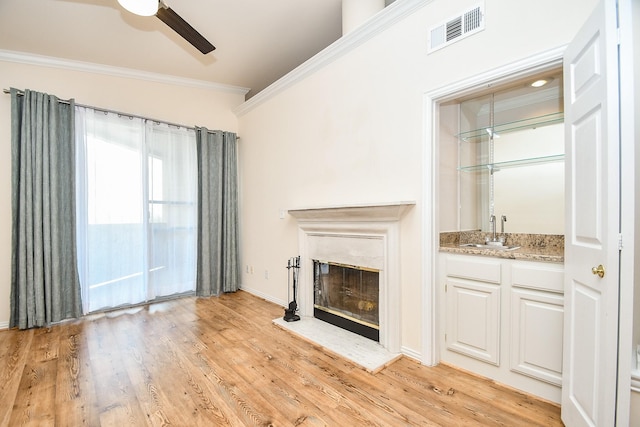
[(140, 7)]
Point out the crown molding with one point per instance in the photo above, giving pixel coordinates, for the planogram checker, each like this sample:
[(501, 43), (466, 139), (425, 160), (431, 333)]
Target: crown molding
[(384, 19), (88, 67)]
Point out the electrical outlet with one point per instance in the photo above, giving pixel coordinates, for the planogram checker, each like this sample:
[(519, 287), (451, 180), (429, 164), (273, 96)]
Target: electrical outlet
[(251, 269), (266, 274), (247, 269)]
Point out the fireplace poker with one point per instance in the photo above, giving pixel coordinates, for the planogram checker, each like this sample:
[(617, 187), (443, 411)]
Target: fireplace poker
[(293, 265)]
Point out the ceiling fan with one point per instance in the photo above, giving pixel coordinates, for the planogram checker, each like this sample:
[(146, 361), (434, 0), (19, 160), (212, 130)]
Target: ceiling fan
[(160, 9)]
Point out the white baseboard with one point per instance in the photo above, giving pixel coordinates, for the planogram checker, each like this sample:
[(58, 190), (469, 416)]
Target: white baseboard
[(264, 296), (4, 325), (635, 380), (409, 352)]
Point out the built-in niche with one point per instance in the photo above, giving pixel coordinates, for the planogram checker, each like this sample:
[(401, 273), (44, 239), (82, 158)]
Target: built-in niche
[(502, 155)]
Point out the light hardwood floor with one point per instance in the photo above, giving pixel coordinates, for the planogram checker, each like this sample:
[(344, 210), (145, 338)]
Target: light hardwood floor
[(221, 361)]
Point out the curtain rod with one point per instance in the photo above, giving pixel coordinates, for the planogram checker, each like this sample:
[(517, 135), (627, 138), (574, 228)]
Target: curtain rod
[(105, 110)]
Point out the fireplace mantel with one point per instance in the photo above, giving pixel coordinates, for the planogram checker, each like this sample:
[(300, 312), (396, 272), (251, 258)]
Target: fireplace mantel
[(380, 212), (366, 235)]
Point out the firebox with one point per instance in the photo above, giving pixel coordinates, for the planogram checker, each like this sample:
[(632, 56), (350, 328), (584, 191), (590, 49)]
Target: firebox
[(347, 296)]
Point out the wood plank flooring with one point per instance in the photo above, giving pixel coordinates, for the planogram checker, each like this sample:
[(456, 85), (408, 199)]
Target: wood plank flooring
[(221, 361)]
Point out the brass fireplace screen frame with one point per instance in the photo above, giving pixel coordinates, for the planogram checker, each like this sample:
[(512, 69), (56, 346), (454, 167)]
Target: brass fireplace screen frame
[(347, 296)]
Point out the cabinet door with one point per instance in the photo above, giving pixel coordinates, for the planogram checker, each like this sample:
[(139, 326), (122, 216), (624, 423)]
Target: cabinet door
[(536, 334), (473, 319)]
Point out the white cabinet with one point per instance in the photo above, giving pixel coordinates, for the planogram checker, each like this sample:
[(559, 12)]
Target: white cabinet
[(536, 334), (473, 308), (504, 320), (537, 313)]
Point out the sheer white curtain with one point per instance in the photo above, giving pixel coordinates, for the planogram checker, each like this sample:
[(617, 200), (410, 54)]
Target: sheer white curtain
[(136, 188)]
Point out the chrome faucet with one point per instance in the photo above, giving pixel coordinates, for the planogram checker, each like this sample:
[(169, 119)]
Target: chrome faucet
[(502, 221), (492, 221)]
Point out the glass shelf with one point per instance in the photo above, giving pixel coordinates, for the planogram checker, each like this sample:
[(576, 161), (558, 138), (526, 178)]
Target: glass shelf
[(511, 163), (483, 134)]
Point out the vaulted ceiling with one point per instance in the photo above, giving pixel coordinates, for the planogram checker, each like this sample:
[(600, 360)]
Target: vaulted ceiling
[(257, 41)]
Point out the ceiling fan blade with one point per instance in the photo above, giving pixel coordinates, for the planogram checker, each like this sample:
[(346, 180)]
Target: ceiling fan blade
[(182, 27)]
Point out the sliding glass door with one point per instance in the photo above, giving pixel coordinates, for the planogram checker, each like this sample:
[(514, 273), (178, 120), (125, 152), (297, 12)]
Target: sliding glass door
[(136, 209), (172, 206)]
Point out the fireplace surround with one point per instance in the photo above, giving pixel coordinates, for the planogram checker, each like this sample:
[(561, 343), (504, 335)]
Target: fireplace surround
[(367, 236)]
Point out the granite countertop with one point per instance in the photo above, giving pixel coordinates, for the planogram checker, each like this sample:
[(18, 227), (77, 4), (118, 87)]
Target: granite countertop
[(533, 247)]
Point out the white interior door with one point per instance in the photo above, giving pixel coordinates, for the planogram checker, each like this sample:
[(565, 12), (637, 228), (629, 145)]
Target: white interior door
[(592, 222)]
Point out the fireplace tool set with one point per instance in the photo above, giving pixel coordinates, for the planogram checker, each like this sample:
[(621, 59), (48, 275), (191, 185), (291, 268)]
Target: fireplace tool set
[(293, 268)]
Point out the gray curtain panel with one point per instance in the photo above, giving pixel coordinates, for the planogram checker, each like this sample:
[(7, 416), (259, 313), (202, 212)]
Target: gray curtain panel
[(44, 279), (218, 267)]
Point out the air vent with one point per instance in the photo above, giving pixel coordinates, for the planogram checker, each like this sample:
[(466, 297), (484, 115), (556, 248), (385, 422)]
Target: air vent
[(454, 28), (457, 28)]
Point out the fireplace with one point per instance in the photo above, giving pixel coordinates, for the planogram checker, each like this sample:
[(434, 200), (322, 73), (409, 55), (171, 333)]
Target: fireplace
[(364, 238), (348, 297)]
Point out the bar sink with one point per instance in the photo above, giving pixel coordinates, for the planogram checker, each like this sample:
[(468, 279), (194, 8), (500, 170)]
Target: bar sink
[(498, 247)]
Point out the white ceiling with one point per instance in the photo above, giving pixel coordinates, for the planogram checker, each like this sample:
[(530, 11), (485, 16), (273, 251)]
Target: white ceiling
[(257, 41)]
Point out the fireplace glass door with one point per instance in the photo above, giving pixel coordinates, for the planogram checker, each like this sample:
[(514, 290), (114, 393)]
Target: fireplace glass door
[(347, 296)]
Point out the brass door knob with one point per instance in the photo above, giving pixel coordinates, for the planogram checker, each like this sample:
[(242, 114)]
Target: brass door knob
[(599, 270)]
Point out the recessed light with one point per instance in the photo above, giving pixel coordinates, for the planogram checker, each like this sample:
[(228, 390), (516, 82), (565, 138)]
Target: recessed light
[(539, 83)]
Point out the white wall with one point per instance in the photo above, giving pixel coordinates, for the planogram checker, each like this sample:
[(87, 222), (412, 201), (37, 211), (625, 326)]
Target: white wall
[(353, 132), (532, 197), (451, 216), (634, 416), (176, 103)]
